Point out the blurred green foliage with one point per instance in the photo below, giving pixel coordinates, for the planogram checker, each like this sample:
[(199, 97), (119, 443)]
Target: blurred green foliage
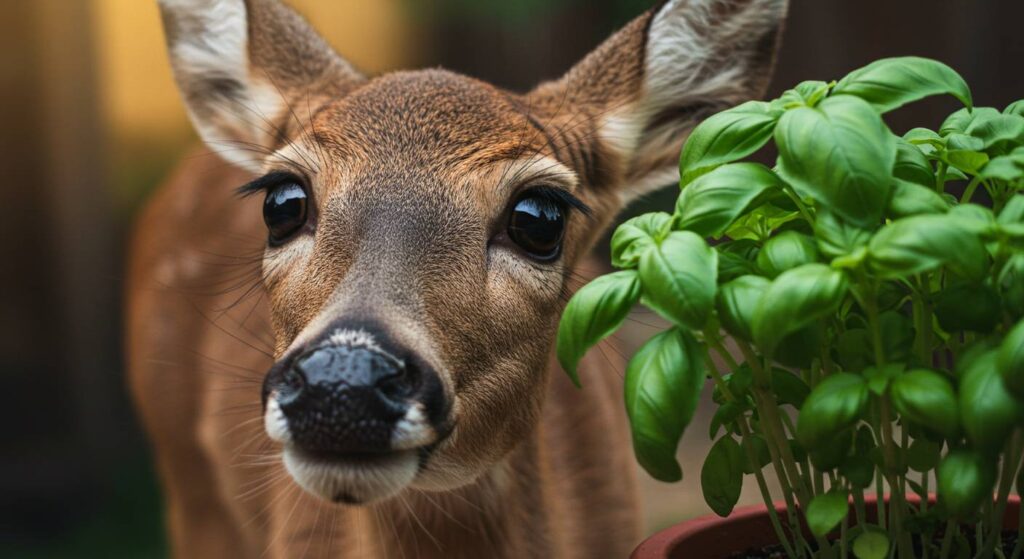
[(514, 13), (127, 521)]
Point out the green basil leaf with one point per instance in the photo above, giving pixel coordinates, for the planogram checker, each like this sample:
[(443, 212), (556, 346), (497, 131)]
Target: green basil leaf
[(724, 415), (594, 312), (747, 248), (859, 470), (878, 377), (789, 388), (958, 122), (918, 136), (837, 237), (758, 223), (973, 307), (972, 354), (923, 455), (795, 299), (897, 335), (1013, 211), (1011, 222), (1011, 360), (999, 133), (807, 93), (912, 165), (920, 243), (786, 251), (987, 411), (977, 219), (913, 199), (965, 480), (740, 381), (710, 204), (726, 137), (877, 457), (840, 154), (832, 407), (925, 140), (762, 455), (1015, 108), (892, 295), (853, 349), (1011, 285), (968, 161), (798, 349), (721, 478), (832, 452), (679, 278), (732, 265), (826, 511), (953, 174), (736, 302), (871, 545), (636, 236), (663, 384), (964, 142), (927, 399), (1009, 168), (893, 82)]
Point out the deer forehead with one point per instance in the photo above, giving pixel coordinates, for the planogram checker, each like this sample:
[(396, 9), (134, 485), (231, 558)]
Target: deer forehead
[(429, 118), (419, 143)]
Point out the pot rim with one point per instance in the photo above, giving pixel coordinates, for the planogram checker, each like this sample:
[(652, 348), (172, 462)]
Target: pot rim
[(662, 543)]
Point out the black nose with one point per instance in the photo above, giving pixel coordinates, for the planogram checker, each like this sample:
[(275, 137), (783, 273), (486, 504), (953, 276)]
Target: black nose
[(341, 399)]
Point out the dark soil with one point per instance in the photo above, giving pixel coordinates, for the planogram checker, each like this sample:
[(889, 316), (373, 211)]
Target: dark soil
[(776, 551)]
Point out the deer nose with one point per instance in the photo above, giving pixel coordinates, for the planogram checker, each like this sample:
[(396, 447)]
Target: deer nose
[(341, 400)]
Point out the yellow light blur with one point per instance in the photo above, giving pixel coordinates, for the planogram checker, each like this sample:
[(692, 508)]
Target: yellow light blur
[(139, 97)]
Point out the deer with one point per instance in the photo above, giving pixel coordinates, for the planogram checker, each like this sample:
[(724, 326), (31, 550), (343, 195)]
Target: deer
[(391, 389)]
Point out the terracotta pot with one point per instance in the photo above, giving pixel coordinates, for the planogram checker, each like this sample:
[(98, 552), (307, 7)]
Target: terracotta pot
[(713, 537)]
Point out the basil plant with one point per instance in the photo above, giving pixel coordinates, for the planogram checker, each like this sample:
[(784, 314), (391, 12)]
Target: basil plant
[(866, 295)]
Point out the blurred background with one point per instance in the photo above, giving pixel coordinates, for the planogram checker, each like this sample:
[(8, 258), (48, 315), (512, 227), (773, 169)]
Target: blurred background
[(90, 122)]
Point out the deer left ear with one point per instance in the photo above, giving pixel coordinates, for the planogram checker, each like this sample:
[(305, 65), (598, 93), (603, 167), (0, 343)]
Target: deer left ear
[(646, 87), (242, 65)]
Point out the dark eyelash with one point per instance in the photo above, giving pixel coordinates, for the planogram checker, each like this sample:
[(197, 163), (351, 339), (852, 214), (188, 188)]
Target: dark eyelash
[(558, 195), (268, 181)]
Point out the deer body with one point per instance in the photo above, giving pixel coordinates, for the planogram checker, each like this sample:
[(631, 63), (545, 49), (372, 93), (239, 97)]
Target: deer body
[(376, 379)]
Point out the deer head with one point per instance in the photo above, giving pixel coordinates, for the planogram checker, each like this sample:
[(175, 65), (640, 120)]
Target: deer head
[(422, 226)]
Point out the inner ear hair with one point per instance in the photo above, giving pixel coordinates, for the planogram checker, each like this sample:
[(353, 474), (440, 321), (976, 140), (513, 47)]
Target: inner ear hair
[(242, 66), (702, 56), (683, 114), (648, 85)]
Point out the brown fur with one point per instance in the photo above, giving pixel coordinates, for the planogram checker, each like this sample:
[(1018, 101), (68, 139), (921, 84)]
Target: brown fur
[(411, 174)]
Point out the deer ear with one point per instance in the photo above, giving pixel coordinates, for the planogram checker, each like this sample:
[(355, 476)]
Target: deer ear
[(647, 86), (245, 67)]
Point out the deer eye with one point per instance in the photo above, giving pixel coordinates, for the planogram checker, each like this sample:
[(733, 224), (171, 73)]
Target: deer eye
[(284, 211), (536, 224)]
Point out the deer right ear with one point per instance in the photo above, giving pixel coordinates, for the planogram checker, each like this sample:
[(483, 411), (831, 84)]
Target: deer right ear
[(645, 88), (242, 65)]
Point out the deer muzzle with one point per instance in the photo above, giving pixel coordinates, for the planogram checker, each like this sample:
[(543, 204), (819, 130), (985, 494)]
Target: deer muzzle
[(351, 408)]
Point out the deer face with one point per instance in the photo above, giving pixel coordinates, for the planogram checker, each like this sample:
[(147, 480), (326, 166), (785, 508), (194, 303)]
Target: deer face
[(422, 226), (415, 299)]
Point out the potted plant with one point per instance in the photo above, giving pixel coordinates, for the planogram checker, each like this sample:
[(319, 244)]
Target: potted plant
[(875, 321)]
